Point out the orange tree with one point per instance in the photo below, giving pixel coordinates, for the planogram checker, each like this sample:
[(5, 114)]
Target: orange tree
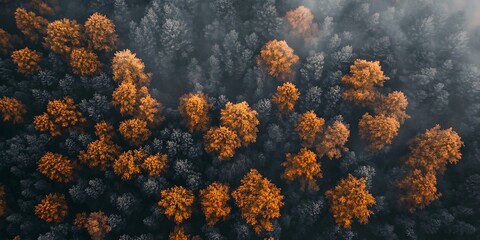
[(12, 110), (104, 130), (178, 234), (378, 130), (27, 61), (135, 131), (393, 105), (52, 208), (31, 25), (300, 22), (194, 108), (417, 190), (213, 200), (222, 141), (128, 163), (125, 98), (100, 153), (60, 114), (286, 97), (278, 58), (63, 36), (3, 203), (95, 223), (308, 127), (332, 142), (259, 201), (241, 119), (177, 203), (155, 164), (5, 42), (304, 167), (350, 199), (127, 67), (148, 108), (100, 32), (56, 167), (84, 62)]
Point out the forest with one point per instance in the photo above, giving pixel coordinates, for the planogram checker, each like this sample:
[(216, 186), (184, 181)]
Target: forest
[(230, 119)]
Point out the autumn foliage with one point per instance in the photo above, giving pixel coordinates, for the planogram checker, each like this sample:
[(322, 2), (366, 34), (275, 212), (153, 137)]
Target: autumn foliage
[(12, 110), (127, 67), (104, 130), (135, 131), (194, 108), (332, 142), (52, 208), (350, 199), (286, 97), (96, 224), (100, 153), (222, 141), (304, 167), (155, 164), (259, 201), (128, 163), (177, 203), (84, 62), (101, 33), (417, 190), (178, 234), (393, 105), (241, 119), (125, 98), (27, 61), (31, 25), (49, 7), (308, 127), (3, 203), (63, 36), (213, 200), (378, 130), (56, 167), (60, 114), (278, 58), (300, 22)]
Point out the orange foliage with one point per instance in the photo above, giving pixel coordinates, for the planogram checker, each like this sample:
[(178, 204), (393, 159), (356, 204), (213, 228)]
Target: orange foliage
[(214, 202), (350, 199), (63, 36), (49, 7), (431, 151), (3, 203), (394, 105), (52, 208), (27, 61), (300, 22), (80, 220), (5, 42), (128, 68), (194, 108), (135, 131), (178, 234), (241, 119), (104, 130), (332, 142), (361, 82), (31, 25), (12, 110), (56, 167), (149, 108), (97, 226), (100, 153), (308, 127), (128, 164), (155, 164), (177, 203), (84, 62), (378, 130), (125, 97), (279, 58), (259, 201), (137, 102), (100, 32), (418, 190), (60, 114), (304, 167), (222, 141), (286, 97)]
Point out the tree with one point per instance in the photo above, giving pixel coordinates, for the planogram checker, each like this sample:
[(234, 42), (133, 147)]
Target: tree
[(155, 164), (5, 42), (84, 62), (12, 110), (101, 33), (125, 97), (148, 108), (361, 82), (135, 131), (278, 58), (3, 203), (221, 140), (308, 127), (60, 114), (194, 107), (393, 105), (332, 142), (52, 208), (104, 130), (178, 234), (300, 22), (127, 67), (431, 151), (56, 167), (63, 36), (96, 224), (100, 153), (259, 201), (27, 61), (286, 97), (177, 203), (378, 130), (241, 119), (350, 199), (417, 190), (31, 25), (303, 166), (128, 163), (45, 7), (213, 200)]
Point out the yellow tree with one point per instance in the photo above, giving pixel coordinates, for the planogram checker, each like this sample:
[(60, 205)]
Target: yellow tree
[(56, 167), (27, 61), (135, 131), (259, 201), (177, 203), (433, 150), (12, 110), (308, 127), (63, 36), (31, 25), (417, 190), (304, 167), (60, 114), (155, 164), (300, 23), (127, 67), (128, 163), (194, 108), (332, 142), (84, 62), (213, 200), (350, 199), (52, 208), (286, 97), (222, 141), (393, 105), (378, 130), (278, 58), (241, 119), (101, 33), (125, 98)]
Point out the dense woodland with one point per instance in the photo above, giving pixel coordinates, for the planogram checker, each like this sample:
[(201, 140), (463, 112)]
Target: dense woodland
[(228, 119)]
